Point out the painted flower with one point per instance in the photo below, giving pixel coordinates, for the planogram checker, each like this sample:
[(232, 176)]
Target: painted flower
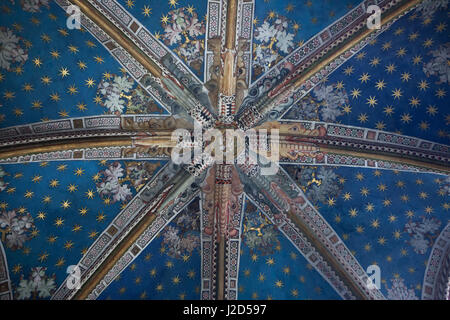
[(10, 50), (38, 285), (399, 291)]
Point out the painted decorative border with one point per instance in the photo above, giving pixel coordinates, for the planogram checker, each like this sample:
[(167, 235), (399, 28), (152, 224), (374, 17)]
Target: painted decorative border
[(214, 30), (372, 137), (437, 273), (208, 256), (233, 249), (73, 128), (5, 283)]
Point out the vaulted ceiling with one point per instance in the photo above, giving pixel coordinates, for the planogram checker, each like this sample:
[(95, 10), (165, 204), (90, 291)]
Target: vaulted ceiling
[(87, 180)]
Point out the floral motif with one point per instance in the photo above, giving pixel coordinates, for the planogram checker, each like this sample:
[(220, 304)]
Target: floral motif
[(120, 98), (38, 285), (422, 233), (429, 7), (111, 184), (10, 50), (33, 5), (439, 66), (140, 172), (114, 92), (15, 228), (183, 23), (140, 103), (182, 239), (260, 235), (319, 184), (322, 104), (274, 39), (399, 291), (3, 184)]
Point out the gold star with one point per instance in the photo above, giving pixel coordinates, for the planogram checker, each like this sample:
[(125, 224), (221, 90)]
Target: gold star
[(372, 101), (90, 194), (164, 19), (82, 65), (68, 245), (363, 118), (424, 125), (401, 52), (417, 60), (72, 90), (83, 211), (375, 223), (397, 93), (46, 80), (440, 93), (81, 106), (63, 113), (390, 68), (423, 85), (59, 222), (64, 72), (413, 36), (29, 194), (348, 71), (406, 76), (73, 49), (79, 172), (428, 43), (72, 188), (331, 202), (375, 62), (43, 257), (65, 204), (387, 46), (90, 82), (41, 215), (356, 93), (414, 102), (100, 217), (380, 85), (389, 110), (8, 95), (54, 183), (98, 59), (364, 78)]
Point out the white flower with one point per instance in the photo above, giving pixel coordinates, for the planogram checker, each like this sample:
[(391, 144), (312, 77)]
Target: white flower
[(265, 32), (10, 51), (123, 193), (399, 291), (172, 33), (284, 41)]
